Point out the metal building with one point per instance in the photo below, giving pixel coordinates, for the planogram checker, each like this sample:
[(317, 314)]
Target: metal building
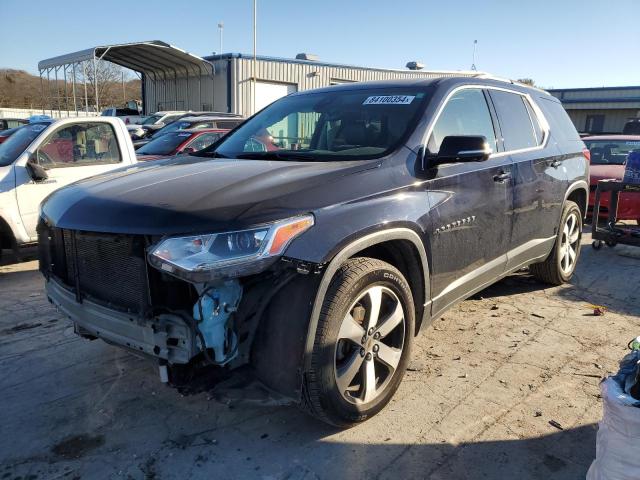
[(173, 79), (600, 110)]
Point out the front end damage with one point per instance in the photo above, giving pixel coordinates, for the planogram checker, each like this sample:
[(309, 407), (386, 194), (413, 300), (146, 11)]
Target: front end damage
[(111, 289)]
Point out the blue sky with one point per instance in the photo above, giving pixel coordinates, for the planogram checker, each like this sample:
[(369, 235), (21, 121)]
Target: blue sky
[(561, 43)]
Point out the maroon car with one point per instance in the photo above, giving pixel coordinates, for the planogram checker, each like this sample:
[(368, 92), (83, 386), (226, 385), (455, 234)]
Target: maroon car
[(179, 142), (608, 157)]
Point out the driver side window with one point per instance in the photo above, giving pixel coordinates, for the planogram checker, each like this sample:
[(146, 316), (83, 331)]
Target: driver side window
[(466, 113), (78, 145)]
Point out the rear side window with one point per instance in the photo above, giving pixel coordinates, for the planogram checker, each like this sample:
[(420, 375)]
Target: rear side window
[(561, 125), (515, 122), (466, 113)]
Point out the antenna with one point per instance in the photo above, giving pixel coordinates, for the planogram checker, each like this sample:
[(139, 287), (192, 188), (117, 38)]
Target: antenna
[(473, 62)]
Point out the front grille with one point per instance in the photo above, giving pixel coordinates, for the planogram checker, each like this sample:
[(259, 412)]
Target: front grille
[(107, 268)]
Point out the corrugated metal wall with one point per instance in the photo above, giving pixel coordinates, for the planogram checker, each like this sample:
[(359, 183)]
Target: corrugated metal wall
[(229, 89), (614, 120), (195, 93), (305, 76)]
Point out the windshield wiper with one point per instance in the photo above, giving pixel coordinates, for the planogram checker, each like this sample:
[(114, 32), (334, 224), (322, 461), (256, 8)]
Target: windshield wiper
[(213, 154), (275, 156)]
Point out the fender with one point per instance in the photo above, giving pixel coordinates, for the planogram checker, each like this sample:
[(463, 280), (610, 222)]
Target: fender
[(347, 252), (578, 185)]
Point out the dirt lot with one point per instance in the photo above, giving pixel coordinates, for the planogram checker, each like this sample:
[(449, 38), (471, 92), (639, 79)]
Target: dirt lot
[(485, 383)]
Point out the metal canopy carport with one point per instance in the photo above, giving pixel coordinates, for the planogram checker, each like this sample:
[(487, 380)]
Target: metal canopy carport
[(159, 61)]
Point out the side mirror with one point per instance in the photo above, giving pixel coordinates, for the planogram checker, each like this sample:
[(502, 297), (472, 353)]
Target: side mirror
[(464, 148), (187, 151), (35, 171)]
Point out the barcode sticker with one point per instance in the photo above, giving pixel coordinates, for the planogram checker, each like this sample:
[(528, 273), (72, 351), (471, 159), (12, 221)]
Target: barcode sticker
[(389, 100)]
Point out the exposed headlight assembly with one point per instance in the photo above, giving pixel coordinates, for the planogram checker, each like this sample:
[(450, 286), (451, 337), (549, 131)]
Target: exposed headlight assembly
[(202, 258)]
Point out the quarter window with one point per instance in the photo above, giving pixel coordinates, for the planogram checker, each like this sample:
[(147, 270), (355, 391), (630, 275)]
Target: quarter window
[(466, 113), (80, 144), (516, 124)]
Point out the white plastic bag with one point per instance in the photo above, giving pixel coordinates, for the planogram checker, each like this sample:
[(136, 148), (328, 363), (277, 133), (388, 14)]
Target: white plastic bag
[(618, 439)]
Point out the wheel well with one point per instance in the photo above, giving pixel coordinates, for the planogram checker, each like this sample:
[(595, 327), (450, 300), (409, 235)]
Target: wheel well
[(6, 236), (403, 255), (579, 196)]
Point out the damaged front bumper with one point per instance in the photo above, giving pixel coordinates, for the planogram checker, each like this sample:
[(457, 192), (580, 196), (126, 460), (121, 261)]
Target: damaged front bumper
[(166, 336)]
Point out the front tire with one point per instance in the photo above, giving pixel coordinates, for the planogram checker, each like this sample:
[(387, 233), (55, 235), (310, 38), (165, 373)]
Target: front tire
[(362, 344), (559, 266)]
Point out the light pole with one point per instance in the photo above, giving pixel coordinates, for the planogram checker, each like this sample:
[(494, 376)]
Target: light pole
[(220, 31)]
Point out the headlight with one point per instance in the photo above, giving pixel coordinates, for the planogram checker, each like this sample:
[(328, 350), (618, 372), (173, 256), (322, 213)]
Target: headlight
[(201, 258)]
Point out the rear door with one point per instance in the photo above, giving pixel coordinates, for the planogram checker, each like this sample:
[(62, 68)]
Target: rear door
[(538, 175), (471, 203), (70, 153)]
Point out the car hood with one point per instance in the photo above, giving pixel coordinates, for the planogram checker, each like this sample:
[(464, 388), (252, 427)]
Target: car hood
[(602, 172), (183, 195)]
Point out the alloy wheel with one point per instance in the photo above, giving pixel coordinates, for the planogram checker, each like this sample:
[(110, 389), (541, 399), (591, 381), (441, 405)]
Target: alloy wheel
[(569, 244), (370, 344)]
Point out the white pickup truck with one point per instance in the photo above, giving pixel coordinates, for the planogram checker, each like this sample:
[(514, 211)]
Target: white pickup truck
[(46, 155), (127, 115)]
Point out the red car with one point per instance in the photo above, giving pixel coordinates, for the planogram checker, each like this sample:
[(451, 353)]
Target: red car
[(608, 157), (179, 142)]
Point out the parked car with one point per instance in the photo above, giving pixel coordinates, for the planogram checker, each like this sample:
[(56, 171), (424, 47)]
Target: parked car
[(153, 123), (608, 156), (127, 115), (178, 143), (11, 123), (44, 156), (632, 127), (223, 121), (317, 263)]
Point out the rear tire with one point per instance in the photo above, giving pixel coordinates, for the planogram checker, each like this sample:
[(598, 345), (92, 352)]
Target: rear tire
[(559, 266), (362, 343)]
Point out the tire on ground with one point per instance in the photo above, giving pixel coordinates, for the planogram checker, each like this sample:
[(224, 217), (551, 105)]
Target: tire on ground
[(323, 398), (549, 271)]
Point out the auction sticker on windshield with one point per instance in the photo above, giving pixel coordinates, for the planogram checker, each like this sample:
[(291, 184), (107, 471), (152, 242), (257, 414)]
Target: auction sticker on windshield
[(389, 100)]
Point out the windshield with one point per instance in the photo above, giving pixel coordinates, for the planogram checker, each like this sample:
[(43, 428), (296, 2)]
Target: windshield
[(173, 127), (327, 126), (12, 147), (164, 145), (151, 119), (611, 152)]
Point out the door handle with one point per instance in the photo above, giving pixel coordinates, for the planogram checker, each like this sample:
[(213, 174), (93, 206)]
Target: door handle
[(502, 177)]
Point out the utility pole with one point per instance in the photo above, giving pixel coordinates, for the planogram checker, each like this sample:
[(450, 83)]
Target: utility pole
[(220, 31), (473, 62), (124, 96), (253, 67)]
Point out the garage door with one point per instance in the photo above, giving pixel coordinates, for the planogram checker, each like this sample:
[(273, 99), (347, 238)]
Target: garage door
[(268, 92)]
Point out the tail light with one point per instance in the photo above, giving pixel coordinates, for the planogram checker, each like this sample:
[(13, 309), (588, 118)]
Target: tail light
[(587, 154)]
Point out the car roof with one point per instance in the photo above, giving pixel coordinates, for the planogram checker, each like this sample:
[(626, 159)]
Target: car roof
[(445, 82), (206, 118), (612, 137), (205, 130)]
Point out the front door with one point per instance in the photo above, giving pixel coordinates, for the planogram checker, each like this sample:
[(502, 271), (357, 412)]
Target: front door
[(69, 154), (471, 204)]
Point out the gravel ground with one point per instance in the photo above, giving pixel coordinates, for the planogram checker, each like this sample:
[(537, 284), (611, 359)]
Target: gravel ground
[(505, 385)]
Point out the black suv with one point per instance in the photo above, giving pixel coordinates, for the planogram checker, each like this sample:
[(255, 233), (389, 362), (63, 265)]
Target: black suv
[(316, 239)]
